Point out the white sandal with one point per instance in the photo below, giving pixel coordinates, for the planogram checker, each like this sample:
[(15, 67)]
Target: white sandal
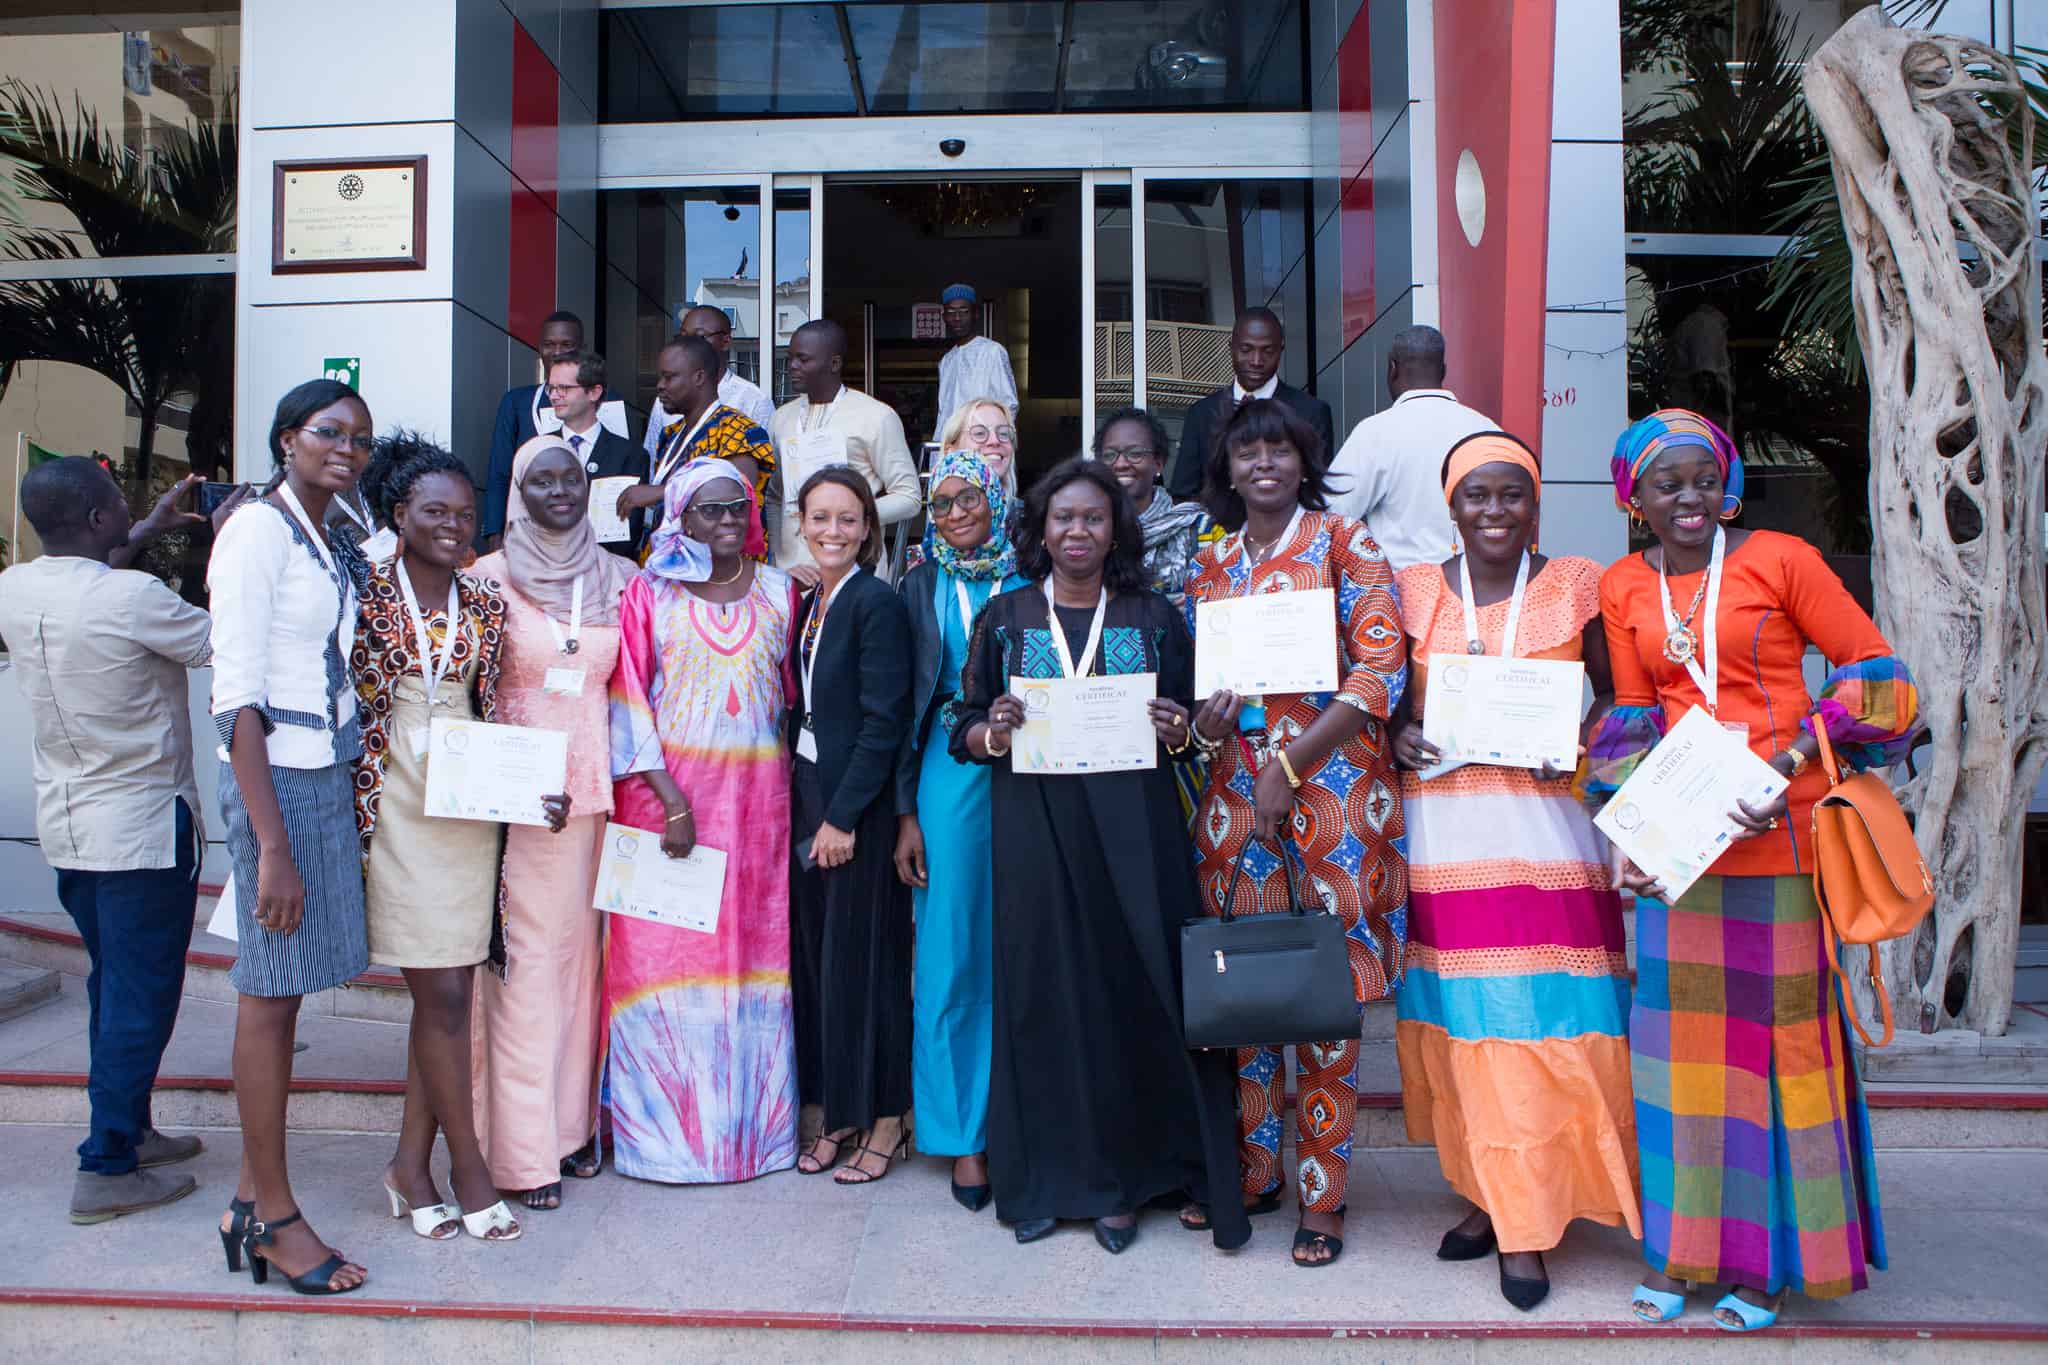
[(494, 1224), (428, 1219)]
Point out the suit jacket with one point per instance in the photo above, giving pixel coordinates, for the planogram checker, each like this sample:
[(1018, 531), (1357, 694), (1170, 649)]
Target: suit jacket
[(512, 429), (860, 694), (611, 456), (1206, 419)]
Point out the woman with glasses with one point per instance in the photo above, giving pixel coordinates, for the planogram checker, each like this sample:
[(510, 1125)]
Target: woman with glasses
[(701, 1048), (984, 426), (942, 839), (1133, 445)]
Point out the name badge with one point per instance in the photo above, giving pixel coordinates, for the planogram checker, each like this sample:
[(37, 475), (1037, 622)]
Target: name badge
[(546, 423), (416, 740), (807, 744), (563, 682), (1737, 728)]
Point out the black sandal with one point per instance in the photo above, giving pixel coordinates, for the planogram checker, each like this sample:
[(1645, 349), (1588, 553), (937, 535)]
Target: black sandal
[(240, 1214), (1195, 1217), (819, 1165), (318, 1280), (861, 1177), (585, 1162), (539, 1196), (1305, 1240)]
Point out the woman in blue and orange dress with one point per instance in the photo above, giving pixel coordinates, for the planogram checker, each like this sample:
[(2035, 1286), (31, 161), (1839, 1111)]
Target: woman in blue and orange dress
[(1755, 1142), (1318, 767)]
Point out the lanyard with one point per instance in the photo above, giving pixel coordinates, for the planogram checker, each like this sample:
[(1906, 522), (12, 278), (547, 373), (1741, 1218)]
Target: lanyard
[(1473, 644), (1059, 633), (540, 391), (966, 609), (809, 665), (430, 675), (1709, 680), (673, 455), (348, 508), (568, 645)]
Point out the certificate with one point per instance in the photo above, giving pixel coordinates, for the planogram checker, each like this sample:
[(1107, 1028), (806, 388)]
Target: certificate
[(1085, 725), (493, 772), (806, 455), (1518, 713), (1270, 642), (605, 522), (634, 877), (1671, 816)]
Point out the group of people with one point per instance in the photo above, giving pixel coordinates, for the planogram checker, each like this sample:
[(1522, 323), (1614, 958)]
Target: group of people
[(920, 945)]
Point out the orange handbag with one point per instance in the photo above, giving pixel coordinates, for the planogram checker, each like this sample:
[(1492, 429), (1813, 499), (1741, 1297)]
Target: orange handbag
[(1868, 875)]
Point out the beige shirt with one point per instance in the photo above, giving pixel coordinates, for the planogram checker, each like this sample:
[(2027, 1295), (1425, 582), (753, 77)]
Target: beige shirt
[(853, 429), (100, 655)]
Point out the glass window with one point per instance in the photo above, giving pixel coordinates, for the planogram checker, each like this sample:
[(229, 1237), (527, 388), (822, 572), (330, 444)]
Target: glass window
[(792, 282), (1167, 54), (722, 61), (1113, 357), (940, 58)]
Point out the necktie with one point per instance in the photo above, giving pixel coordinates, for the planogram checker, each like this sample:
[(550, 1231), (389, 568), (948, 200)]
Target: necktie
[(576, 445)]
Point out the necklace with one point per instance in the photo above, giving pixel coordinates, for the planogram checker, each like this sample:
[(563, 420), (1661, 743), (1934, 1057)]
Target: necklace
[(1681, 644), (733, 576)]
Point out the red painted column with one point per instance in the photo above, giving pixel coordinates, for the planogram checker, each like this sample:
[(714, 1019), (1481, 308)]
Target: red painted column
[(536, 95), (1354, 204)]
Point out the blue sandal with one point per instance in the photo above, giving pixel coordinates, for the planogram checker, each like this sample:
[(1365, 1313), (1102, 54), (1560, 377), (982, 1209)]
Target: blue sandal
[(1668, 1303), (1754, 1317)]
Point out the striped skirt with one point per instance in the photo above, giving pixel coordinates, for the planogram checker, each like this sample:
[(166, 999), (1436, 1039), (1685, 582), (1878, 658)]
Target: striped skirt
[(1756, 1156), (331, 944)]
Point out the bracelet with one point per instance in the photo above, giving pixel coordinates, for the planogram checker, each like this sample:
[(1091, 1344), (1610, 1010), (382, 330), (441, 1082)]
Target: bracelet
[(1293, 782), (1203, 742), (993, 751), (1187, 738), (684, 814)]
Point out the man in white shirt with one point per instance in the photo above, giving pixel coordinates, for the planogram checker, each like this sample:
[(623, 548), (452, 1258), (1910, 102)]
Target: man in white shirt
[(828, 423), (1390, 472), (100, 653), (976, 367), (735, 392)]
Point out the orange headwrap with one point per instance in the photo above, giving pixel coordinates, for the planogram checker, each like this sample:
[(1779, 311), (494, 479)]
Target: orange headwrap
[(1488, 447)]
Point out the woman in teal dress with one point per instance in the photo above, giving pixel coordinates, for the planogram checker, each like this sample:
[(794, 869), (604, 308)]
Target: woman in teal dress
[(942, 844)]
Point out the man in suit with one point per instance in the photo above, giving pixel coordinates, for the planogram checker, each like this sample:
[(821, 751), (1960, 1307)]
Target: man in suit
[(1256, 345), (519, 417), (575, 389)]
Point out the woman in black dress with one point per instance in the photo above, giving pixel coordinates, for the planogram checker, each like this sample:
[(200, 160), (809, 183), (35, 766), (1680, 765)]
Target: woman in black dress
[(1096, 1107), (850, 927)]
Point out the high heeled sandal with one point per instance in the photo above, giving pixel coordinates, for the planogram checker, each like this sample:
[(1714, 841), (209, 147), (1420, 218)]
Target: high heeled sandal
[(318, 1280), (240, 1212), (586, 1162), (854, 1175), (819, 1165), (1755, 1316), (494, 1224), (1667, 1304), (427, 1219)]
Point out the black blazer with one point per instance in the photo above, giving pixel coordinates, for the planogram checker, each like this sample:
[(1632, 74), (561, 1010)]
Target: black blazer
[(610, 456), (860, 691), (1206, 419), (927, 648)]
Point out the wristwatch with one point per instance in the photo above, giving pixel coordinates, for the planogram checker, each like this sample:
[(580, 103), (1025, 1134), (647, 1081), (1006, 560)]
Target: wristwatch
[(1798, 761)]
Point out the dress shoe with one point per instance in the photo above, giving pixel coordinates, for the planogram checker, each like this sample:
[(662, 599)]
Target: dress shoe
[(973, 1198), (1031, 1229), (1523, 1294), (96, 1198), (1459, 1246), (1113, 1239)]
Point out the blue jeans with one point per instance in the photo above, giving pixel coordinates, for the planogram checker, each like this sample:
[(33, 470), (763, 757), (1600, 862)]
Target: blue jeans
[(137, 927)]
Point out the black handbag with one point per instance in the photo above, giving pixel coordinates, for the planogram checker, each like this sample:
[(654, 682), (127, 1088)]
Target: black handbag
[(1266, 979)]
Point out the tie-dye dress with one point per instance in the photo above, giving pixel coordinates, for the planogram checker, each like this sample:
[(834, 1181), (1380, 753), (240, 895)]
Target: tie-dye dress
[(701, 1061)]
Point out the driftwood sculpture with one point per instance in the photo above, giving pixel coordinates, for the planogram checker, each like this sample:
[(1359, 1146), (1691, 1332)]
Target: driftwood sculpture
[(1931, 139)]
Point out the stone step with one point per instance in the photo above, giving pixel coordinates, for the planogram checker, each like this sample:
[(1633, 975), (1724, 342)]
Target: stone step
[(24, 986)]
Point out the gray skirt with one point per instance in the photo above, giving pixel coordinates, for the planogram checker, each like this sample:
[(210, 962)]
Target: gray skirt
[(331, 944)]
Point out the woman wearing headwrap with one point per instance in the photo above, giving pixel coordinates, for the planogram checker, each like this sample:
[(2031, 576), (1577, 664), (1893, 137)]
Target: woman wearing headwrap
[(537, 1028), (942, 842), (1514, 1015), (1755, 1141), (701, 1061)]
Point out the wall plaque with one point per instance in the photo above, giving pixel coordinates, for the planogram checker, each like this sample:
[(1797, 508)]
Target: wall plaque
[(349, 214)]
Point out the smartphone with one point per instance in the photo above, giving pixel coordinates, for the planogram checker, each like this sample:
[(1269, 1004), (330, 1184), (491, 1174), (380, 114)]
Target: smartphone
[(212, 495), (805, 858)]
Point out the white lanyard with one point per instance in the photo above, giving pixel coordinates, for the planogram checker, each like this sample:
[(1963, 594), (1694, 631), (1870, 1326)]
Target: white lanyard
[(568, 645), (966, 609), (808, 666), (540, 391), (1709, 680), (1473, 644), (673, 455), (1059, 633), (431, 676), (298, 510), (348, 509)]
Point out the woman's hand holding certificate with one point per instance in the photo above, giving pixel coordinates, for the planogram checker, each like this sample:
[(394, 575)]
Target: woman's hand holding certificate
[(508, 773), (1085, 725), (1269, 642), (1518, 713)]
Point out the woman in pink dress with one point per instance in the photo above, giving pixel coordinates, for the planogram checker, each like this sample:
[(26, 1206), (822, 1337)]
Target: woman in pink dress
[(702, 1065), (536, 1028)]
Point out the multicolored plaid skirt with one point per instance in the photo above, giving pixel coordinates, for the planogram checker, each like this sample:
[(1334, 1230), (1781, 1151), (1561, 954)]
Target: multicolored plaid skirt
[(1756, 1158)]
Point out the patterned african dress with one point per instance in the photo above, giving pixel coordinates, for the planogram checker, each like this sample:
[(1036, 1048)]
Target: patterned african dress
[(430, 886), (1755, 1142), (728, 434), (701, 1064), (1347, 843), (1513, 1032)]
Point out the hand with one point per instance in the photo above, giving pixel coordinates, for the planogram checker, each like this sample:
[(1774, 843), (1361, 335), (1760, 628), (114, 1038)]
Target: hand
[(1751, 820), (1005, 717), (910, 867), (1547, 773), (1169, 722), (231, 503), (1624, 875), (1272, 800), (1412, 751), (168, 515), (806, 576), (679, 834), (556, 809), (1217, 720), (280, 894), (832, 846), (637, 498)]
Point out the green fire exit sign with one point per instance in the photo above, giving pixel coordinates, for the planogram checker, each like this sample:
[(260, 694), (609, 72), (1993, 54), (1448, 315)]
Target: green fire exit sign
[(346, 368)]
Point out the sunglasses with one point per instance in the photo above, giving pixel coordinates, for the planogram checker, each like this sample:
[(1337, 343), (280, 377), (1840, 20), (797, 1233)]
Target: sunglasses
[(966, 500), (736, 510)]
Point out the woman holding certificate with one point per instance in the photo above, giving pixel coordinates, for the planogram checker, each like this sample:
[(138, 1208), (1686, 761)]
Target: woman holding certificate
[(537, 1028), (1309, 773), (426, 646), (701, 1058), (1756, 1154), (943, 834), (1096, 1106), (849, 913), (1514, 1012)]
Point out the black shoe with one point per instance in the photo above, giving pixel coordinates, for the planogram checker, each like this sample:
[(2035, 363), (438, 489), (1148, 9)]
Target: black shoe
[(1523, 1294), (1458, 1246), (1031, 1229), (973, 1198), (1114, 1239), (1195, 1217), (1307, 1240), (240, 1213), (318, 1280)]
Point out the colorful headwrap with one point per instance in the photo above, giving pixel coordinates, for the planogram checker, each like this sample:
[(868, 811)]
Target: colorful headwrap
[(995, 558), (1670, 429), (1489, 447), (673, 554), (958, 293)]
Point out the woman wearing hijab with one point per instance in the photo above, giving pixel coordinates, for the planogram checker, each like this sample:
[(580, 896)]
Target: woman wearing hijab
[(942, 841), (1755, 1142), (537, 1028), (701, 1061)]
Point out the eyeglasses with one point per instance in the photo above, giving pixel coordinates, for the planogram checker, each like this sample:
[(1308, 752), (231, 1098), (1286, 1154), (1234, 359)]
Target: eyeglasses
[(1129, 454), (557, 390), (361, 445), (966, 500), (736, 510), (1008, 434)]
